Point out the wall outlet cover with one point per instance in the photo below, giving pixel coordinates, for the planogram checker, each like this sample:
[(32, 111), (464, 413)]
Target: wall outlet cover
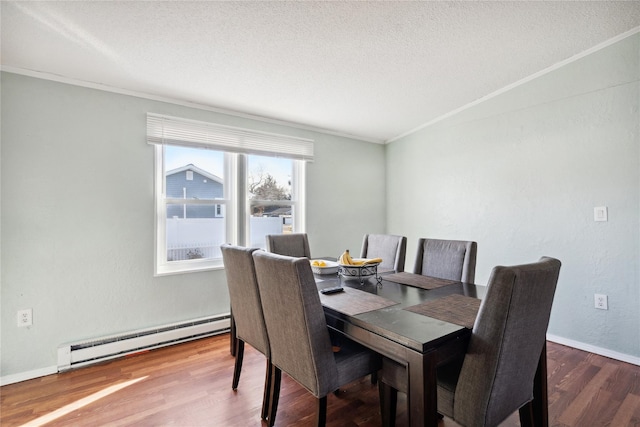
[(25, 317), (600, 213), (601, 301)]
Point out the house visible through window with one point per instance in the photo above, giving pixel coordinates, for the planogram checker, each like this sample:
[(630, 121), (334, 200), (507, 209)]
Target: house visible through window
[(206, 197), (194, 200)]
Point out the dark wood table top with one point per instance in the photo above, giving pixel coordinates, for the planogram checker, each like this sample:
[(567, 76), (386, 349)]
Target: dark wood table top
[(413, 330)]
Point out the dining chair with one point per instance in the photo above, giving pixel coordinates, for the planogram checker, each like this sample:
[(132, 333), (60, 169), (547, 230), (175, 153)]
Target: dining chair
[(392, 249), (294, 244), (446, 259), (496, 376), (246, 310), (299, 336)]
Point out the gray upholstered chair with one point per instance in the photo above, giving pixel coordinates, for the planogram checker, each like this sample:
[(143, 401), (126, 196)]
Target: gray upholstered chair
[(246, 311), (295, 244), (496, 376), (447, 259), (298, 333), (392, 249)]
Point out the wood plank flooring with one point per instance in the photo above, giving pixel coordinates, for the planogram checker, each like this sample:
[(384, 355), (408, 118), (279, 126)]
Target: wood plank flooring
[(190, 385)]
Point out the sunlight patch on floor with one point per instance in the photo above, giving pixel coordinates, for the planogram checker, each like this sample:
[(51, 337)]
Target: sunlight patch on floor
[(80, 403)]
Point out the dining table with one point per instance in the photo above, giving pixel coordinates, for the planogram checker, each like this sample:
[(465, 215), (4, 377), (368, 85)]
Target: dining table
[(416, 321)]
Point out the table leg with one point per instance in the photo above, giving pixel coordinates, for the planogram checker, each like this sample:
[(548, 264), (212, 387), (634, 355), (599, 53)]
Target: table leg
[(422, 394)]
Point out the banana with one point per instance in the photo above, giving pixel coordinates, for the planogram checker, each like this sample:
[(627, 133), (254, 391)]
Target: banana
[(349, 259), (353, 261), (346, 259)]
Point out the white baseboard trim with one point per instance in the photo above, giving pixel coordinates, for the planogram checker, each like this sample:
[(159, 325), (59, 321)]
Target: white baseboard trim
[(634, 360), (29, 375)]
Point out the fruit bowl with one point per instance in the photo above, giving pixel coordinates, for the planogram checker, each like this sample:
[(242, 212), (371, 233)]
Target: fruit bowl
[(358, 268), (329, 267), (358, 271)]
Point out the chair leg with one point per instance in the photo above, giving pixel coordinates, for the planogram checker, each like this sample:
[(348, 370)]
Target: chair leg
[(238, 365), (388, 404), (276, 378), (266, 399), (374, 378), (322, 411), (526, 415), (540, 402), (233, 340)]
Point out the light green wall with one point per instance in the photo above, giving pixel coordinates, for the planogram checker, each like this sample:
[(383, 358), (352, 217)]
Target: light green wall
[(521, 173), (78, 216)]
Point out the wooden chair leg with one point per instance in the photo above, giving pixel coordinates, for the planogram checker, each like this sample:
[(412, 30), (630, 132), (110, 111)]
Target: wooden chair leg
[(540, 403), (388, 404), (276, 378), (233, 340), (322, 411), (526, 415), (238, 365), (266, 399)]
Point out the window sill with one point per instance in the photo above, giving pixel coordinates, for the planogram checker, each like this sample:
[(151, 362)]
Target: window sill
[(194, 266)]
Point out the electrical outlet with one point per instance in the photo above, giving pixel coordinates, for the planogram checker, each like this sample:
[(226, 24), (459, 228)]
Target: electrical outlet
[(25, 317), (600, 213), (600, 301)]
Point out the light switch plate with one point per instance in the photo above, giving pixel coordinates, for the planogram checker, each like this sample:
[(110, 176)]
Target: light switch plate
[(600, 213)]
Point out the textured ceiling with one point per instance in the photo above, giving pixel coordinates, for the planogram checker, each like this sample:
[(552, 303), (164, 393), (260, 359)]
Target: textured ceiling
[(374, 70)]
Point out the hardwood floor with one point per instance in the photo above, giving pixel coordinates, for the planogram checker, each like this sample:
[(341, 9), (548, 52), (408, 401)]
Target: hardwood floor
[(190, 385)]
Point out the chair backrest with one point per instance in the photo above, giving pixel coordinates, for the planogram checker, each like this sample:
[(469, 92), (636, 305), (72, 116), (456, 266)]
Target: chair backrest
[(392, 249), (245, 297), (295, 245), (506, 343), (447, 259), (298, 334)]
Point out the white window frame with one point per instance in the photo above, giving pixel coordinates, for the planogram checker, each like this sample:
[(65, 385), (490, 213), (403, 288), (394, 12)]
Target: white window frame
[(237, 207)]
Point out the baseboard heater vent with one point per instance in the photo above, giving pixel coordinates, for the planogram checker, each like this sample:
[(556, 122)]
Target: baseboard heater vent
[(75, 355)]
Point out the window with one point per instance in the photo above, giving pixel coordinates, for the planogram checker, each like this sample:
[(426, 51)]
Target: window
[(191, 206), (210, 193)]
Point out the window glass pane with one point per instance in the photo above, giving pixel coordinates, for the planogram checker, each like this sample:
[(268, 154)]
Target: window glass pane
[(193, 237), (269, 179), (193, 173), (194, 230), (260, 226)]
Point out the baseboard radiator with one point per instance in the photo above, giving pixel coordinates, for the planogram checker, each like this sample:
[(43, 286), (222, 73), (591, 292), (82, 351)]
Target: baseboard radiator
[(78, 354)]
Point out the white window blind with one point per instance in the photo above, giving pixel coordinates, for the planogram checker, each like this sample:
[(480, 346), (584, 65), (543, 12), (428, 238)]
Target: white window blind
[(163, 129)]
